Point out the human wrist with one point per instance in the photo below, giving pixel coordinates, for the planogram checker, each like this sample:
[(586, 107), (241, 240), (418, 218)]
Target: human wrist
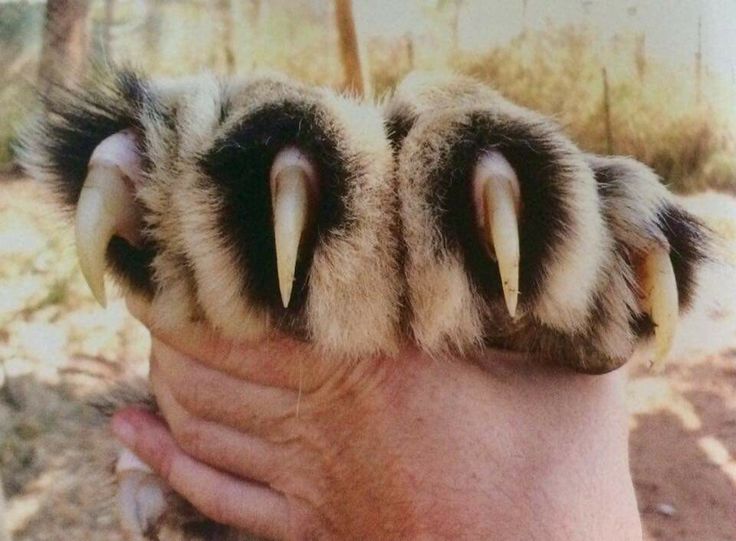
[(509, 453)]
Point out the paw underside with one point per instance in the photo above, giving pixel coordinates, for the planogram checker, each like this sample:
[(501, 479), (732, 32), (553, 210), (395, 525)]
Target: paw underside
[(448, 218)]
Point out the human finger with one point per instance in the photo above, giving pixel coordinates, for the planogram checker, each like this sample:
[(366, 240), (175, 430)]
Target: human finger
[(217, 397), (230, 450), (222, 497), (276, 360)]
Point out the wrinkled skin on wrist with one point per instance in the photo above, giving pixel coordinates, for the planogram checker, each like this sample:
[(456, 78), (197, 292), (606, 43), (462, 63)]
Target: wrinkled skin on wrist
[(398, 448)]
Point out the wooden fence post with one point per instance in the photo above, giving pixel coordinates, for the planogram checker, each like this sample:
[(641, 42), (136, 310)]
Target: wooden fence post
[(699, 64), (356, 79), (65, 43), (410, 50), (607, 113)]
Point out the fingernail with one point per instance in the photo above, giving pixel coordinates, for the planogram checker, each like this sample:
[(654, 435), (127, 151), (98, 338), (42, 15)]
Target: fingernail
[(124, 431)]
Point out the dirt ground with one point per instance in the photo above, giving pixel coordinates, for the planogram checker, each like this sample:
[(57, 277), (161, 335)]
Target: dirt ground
[(57, 349)]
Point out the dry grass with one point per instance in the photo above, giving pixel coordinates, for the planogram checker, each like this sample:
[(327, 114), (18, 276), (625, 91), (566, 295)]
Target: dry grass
[(653, 118), (654, 114)]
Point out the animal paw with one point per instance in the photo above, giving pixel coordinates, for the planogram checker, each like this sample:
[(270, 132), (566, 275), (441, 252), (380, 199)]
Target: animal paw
[(253, 205), (516, 239)]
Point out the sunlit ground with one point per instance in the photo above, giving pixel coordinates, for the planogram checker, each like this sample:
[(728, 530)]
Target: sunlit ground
[(57, 349)]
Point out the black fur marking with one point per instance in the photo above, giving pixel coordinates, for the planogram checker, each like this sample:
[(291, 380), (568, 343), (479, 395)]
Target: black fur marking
[(605, 175), (397, 127), (533, 153), (240, 166), (688, 237), (133, 264), (225, 106), (76, 121), (688, 241), (642, 325), (205, 529)]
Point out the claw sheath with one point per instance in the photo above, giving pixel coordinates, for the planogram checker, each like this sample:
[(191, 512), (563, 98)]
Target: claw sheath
[(498, 188)]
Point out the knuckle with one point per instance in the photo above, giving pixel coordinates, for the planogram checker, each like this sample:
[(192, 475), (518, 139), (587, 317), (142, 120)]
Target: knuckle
[(166, 465), (190, 437), (229, 354), (212, 507), (192, 398)]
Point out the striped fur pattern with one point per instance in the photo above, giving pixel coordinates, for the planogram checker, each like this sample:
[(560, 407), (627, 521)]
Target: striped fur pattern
[(208, 250), (586, 222), (394, 255)]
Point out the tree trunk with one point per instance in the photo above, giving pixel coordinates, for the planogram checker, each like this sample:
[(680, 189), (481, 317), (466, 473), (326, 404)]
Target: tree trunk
[(607, 112), (410, 53), (4, 536), (699, 64), (640, 56), (65, 43), (524, 14), (455, 24), (256, 14), (225, 16), (107, 27), (152, 26), (355, 73)]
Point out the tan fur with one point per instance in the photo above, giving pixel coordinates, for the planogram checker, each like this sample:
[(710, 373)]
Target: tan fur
[(631, 208), (355, 268), (570, 280), (385, 276)]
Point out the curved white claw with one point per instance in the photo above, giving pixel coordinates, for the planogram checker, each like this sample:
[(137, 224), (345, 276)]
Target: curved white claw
[(141, 494), (292, 183), (661, 300), (106, 206), (497, 193)]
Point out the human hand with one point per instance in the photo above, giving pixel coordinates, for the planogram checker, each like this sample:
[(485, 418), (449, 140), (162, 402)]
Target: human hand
[(277, 440)]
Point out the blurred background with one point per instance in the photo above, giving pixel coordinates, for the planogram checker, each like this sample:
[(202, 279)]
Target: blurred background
[(654, 79)]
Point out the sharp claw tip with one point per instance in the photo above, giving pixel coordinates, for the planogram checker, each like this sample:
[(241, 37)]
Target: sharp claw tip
[(285, 298), (101, 300)]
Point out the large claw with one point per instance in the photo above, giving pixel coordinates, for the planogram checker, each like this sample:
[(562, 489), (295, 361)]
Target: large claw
[(293, 184), (497, 199), (106, 206), (660, 299), (141, 494)]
